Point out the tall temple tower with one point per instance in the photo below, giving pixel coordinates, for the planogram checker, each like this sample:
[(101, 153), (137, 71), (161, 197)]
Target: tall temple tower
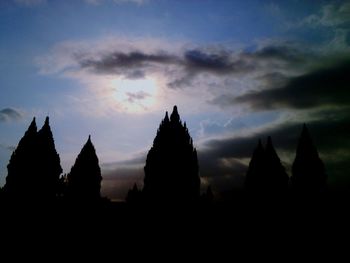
[(34, 167), (84, 179), (171, 170), (266, 175), (308, 171)]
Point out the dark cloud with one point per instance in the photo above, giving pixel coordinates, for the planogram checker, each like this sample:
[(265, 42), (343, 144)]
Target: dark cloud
[(285, 52), (141, 95), (184, 67), (195, 60), (135, 74), (330, 132), (319, 88), (117, 182), (119, 177), (221, 173), (212, 62), (331, 129), (218, 63), (184, 81), (137, 160), (224, 100), (273, 80), (126, 63), (9, 114)]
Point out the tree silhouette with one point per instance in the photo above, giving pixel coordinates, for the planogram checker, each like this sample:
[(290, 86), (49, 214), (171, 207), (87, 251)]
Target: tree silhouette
[(266, 173), (308, 171), (49, 169), (171, 170), (20, 183), (84, 179)]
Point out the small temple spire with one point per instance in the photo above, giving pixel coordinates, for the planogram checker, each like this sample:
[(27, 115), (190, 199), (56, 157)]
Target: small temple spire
[(32, 127), (269, 145), (175, 117), (89, 142), (166, 118), (33, 123), (46, 125), (46, 129), (305, 132)]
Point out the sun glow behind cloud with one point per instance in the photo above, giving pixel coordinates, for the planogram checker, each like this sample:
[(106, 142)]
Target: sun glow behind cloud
[(135, 96)]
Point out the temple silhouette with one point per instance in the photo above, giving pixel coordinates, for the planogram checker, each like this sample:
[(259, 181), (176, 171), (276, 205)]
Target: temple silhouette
[(34, 167), (84, 179), (171, 170), (34, 171), (266, 174), (308, 171)]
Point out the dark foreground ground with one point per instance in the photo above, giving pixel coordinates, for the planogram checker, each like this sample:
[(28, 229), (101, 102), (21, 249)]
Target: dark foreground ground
[(254, 228), (237, 208)]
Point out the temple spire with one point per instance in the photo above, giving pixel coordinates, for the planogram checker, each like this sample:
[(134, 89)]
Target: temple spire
[(46, 127), (175, 117), (166, 118), (266, 173), (308, 170), (32, 127), (84, 179)]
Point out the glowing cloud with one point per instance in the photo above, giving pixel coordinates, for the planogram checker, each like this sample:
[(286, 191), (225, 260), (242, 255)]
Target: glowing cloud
[(135, 95)]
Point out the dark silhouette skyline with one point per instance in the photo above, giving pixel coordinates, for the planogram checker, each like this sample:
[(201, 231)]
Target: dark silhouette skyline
[(171, 171), (237, 70)]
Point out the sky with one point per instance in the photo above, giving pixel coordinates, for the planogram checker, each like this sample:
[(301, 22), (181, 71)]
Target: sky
[(237, 70)]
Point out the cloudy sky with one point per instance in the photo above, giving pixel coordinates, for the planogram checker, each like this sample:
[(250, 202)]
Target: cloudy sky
[(237, 70)]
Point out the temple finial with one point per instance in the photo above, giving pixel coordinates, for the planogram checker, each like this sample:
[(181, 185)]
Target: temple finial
[(175, 115), (166, 118)]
